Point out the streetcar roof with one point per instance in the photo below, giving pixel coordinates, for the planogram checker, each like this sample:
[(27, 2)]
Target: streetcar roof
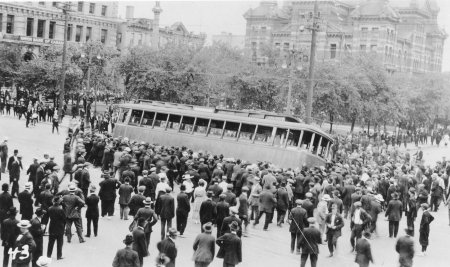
[(250, 117)]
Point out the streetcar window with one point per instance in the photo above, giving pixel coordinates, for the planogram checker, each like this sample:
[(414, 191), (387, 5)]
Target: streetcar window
[(215, 128), (293, 137), (323, 147), (160, 120), (316, 143), (280, 137), (174, 122), (247, 132), (306, 140), (187, 124), (135, 117), (263, 134), (147, 120), (124, 115), (201, 126), (231, 129)]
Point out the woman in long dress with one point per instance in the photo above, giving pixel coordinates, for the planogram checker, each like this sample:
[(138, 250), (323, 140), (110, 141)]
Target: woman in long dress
[(199, 197)]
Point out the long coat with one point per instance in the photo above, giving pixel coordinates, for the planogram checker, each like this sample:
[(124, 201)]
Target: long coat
[(9, 232), (226, 225), (230, 248), (92, 211), (166, 209), (299, 219), (267, 201), (204, 248), (394, 210), (424, 229), (140, 243), (208, 211), (136, 202), (26, 205), (57, 220), (20, 244), (126, 257), (363, 252), (167, 246)]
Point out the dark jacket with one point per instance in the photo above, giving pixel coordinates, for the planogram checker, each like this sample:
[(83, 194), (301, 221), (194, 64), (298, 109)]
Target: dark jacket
[(140, 243), (282, 199), (92, 206), (6, 202), (363, 252), (226, 225), (26, 205), (166, 209), (267, 201), (26, 240), (222, 211), (394, 210), (230, 248), (208, 211), (149, 215), (36, 230), (125, 194), (136, 202), (9, 231), (204, 248), (108, 189), (314, 237), (126, 257), (32, 173), (57, 220), (338, 222), (298, 214), (72, 206), (167, 246), (183, 205)]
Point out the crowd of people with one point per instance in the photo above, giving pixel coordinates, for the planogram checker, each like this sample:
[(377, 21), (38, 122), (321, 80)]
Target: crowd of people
[(158, 184)]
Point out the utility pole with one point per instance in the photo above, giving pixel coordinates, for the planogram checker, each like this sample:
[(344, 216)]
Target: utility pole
[(312, 58), (65, 10)]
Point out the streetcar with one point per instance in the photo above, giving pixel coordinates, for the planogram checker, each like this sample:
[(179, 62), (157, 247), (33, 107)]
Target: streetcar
[(248, 135)]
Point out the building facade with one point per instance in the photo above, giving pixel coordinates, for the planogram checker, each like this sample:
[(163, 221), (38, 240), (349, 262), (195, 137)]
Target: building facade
[(235, 41), (147, 32), (34, 25), (404, 34)]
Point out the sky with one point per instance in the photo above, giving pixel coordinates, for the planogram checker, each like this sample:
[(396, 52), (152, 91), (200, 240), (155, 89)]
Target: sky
[(213, 17)]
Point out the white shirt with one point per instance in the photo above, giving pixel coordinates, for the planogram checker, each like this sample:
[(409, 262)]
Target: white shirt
[(357, 217), (333, 217), (189, 186), (223, 185), (161, 186)]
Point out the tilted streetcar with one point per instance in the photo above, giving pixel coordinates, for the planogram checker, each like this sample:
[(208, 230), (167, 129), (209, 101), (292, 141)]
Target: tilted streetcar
[(249, 135)]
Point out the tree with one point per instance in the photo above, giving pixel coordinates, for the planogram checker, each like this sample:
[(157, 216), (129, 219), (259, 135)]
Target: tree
[(10, 58)]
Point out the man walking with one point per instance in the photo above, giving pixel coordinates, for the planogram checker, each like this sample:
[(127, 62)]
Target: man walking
[(26, 202), (126, 257), (139, 241), (9, 233), (125, 191), (73, 205), (405, 248), (150, 218), (310, 243), (363, 251), (267, 204), (37, 231), (394, 214), (230, 247), (4, 154), (107, 194), (168, 248), (207, 210), (183, 208), (298, 219), (166, 211), (359, 219), (56, 228), (334, 222), (14, 167), (92, 212), (204, 247), (23, 243), (222, 211)]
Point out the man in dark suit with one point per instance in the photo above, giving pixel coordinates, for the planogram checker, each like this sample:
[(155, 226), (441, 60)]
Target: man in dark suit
[(308, 205), (72, 209), (24, 245), (228, 220), (359, 220), (405, 248), (394, 214), (334, 222), (137, 201), (84, 179), (230, 247), (107, 194), (26, 202), (37, 231), (166, 211), (168, 248), (230, 197), (56, 228), (32, 170), (92, 212), (39, 177), (183, 208), (282, 203), (363, 251), (14, 167), (411, 209), (139, 243), (6, 202), (216, 189), (222, 211), (126, 256), (207, 210), (46, 198), (298, 219), (311, 248), (149, 216), (349, 189), (9, 233), (267, 203)]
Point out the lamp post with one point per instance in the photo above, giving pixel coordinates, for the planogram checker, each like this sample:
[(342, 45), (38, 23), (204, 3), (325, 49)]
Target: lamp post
[(88, 84), (294, 57)]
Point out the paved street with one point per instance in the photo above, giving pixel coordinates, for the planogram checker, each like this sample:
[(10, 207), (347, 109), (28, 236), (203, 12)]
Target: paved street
[(259, 249)]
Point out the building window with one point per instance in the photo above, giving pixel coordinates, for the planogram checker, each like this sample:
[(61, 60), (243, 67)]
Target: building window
[(91, 8), (88, 33), (285, 46), (364, 32), (132, 39), (1, 22), (42, 3), (119, 38), (78, 33), (69, 31), (373, 48), (310, 15), (363, 48), (55, 4), (104, 11), (51, 30), (333, 51), (30, 22), (41, 28), (80, 6), (103, 36)]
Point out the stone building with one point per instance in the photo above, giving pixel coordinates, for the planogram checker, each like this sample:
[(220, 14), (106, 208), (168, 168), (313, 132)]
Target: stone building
[(235, 41), (142, 31), (405, 34), (33, 25)]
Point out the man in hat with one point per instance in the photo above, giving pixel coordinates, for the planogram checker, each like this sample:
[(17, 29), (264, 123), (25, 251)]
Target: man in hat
[(204, 247), (363, 251), (84, 179), (24, 245), (168, 248), (230, 247), (322, 211), (334, 223), (256, 190), (92, 212), (405, 248), (282, 198), (37, 231), (107, 194), (14, 167), (310, 243), (165, 209), (9, 233), (298, 219), (126, 257), (308, 204), (73, 205), (149, 216), (6, 202), (183, 208), (207, 210), (147, 183), (359, 219), (56, 228), (125, 191), (26, 202), (411, 209), (140, 244), (424, 229), (222, 211), (228, 220), (137, 201), (31, 172), (267, 203), (3, 154), (375, 209), (394, 214)]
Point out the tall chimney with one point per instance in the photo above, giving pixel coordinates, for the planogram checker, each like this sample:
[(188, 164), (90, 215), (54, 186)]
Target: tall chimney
[(130, 12), (155, 34)]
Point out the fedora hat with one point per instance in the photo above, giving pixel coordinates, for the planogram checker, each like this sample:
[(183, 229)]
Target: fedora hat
[(326, 197), (43, 261), (172, 232), (24, 224), (187, 176), (148, 201), (128, 239), (72, 188), (12, 211), (234, 209), (207, 227), (234, 226)]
